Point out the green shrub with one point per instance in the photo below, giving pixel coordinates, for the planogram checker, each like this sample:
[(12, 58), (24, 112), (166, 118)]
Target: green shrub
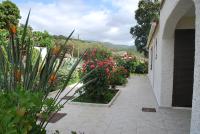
[(141, 67), (127, 62), (25, 86), (19, 110), (119, 76), (4, 37), (132, 64)]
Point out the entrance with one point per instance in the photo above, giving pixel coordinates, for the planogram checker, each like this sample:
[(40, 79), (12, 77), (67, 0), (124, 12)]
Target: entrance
[(184, 50)]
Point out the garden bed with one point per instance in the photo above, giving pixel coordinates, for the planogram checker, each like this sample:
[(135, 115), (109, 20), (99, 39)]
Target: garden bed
[(84, 100)]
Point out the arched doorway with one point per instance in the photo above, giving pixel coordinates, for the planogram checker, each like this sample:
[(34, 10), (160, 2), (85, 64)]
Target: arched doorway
[(178, 43), (184, 52)]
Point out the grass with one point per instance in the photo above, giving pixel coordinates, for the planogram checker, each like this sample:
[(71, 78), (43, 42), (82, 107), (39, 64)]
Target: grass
[(105, 99)]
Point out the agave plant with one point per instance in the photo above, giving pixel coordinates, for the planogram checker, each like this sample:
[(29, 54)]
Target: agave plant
[(18, 71)]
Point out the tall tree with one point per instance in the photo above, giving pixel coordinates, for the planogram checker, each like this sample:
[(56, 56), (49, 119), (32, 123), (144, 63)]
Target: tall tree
[(43, 39), (9, 13), (147, 11)]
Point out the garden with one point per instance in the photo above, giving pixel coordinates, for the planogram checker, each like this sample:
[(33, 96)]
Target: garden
[(26, 79)]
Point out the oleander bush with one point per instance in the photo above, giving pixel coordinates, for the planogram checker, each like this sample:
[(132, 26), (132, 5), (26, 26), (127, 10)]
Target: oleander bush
[(132, 64), (118, 76), (127, 61), (100, 61)]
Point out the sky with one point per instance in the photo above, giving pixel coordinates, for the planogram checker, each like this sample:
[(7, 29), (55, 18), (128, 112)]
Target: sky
[(99, 20)]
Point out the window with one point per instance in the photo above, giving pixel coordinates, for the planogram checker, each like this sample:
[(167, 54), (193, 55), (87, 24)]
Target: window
[(151, 58), (156, 49)]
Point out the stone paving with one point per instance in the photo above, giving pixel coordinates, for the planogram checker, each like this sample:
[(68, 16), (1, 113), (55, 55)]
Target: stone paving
[(125, 115)]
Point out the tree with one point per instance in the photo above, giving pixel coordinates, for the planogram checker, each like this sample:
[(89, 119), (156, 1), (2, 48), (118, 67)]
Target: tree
[(9, 13), (147, 11), (43, 39)]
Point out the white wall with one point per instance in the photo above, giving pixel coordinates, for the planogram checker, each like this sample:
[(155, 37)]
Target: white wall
[(195, 121), (154, 73), (43, 51), (162, 76)]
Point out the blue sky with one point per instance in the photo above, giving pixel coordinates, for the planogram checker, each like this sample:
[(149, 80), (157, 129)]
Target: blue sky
[(100, 20)]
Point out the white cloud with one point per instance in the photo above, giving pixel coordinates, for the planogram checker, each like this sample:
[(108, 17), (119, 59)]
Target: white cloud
[(101, 23)]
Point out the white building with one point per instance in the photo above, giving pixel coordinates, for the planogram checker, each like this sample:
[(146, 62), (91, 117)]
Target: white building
[(174, 57)]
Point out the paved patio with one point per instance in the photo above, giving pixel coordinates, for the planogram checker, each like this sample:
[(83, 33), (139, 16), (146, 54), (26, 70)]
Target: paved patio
[(125, 115)]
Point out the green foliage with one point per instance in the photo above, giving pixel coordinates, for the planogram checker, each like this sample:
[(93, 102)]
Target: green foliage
[(4, 34), (27, 84), (126, 61), (43, 39), (132, 64), (19, 110), (147, 12), (119, 76), (9, 13), (141, 67), (107, 97)]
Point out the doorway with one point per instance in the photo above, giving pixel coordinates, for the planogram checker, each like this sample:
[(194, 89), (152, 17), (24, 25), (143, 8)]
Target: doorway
[(184, 50)]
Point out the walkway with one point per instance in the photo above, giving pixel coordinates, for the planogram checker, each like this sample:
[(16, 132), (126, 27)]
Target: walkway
[(125, 115)]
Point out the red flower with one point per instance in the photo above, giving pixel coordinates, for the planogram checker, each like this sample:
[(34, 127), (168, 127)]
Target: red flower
[(92, 66), (100, 64)]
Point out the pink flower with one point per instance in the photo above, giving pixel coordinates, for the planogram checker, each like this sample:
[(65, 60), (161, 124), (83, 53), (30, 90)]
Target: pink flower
[(107, 71), (100, 64), (92, 66), (84, 65)]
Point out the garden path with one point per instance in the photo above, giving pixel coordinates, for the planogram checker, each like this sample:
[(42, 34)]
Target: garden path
[(125, 115)]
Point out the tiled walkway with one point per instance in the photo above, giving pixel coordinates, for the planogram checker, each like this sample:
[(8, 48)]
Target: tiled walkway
[(125, 115)]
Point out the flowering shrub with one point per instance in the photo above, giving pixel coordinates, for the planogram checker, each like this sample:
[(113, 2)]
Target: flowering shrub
[(118, 76), (133, 64), (127, 61), (141, 67), (98, 60)]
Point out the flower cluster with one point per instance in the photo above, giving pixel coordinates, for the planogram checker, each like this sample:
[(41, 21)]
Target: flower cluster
[(102, 65), (96, 54), (118, 76), (128, 57)]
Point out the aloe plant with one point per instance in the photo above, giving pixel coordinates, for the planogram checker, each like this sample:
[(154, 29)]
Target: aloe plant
[(17, 70)]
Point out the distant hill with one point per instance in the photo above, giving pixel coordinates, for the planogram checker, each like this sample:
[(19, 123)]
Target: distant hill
[(108, 45), (81, 45)]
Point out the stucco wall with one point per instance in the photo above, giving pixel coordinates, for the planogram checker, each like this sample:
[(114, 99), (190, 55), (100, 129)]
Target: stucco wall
[(195, 121), (171, 13), (154, 73), (186, 23), (162, 74)]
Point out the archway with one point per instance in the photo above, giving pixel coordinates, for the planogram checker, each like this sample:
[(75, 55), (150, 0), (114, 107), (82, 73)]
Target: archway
[(175, 27)]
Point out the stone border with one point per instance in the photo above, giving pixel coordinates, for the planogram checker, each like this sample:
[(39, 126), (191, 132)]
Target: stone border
[(96, 104)]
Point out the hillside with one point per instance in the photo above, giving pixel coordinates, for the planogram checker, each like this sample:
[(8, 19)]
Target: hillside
[(81, 45)]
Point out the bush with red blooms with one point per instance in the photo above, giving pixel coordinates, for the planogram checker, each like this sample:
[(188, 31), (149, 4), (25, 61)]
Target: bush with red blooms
[(118, 76), (127, 61), (102, 63)]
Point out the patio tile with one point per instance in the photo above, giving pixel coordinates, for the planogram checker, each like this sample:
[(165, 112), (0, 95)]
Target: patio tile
[(125, 115)]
